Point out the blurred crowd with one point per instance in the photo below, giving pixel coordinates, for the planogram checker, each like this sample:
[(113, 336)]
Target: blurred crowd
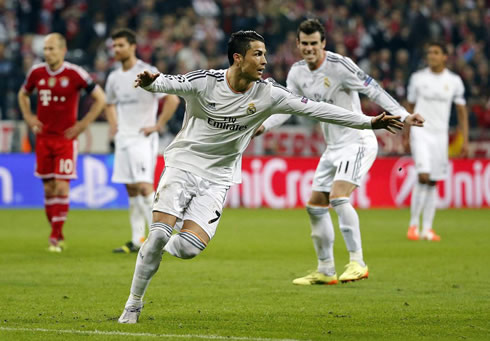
[(386, 38)]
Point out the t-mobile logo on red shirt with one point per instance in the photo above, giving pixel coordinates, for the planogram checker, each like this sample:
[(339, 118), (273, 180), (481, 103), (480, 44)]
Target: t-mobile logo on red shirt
[(45, 96)]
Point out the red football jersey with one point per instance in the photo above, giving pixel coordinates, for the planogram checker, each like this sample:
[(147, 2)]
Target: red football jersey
[(58, 93)]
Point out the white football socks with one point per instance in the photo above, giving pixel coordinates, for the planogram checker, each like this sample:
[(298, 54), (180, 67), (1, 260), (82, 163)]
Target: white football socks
[(323, 237), (137, 221), (419, 194), (349, 226), (148, 260), (429, 209)]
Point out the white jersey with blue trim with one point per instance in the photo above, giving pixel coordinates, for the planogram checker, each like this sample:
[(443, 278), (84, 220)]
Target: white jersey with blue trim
[(219, 122), (433, 93), (135, 108), (338, 81)]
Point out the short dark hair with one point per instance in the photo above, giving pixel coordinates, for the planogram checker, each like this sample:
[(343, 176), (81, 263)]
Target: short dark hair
[(130, 35), (239, 42), (439, 44), (311, 26)]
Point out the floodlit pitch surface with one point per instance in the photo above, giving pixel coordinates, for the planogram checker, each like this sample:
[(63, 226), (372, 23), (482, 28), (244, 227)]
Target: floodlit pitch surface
[(240, 287)]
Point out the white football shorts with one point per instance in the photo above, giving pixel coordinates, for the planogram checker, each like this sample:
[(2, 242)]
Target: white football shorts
[(350, 163), (135, 160), (189, 197), (430, 153)]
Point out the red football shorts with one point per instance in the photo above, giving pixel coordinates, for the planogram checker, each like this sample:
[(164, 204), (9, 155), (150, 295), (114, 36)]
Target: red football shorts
[(56, 158)]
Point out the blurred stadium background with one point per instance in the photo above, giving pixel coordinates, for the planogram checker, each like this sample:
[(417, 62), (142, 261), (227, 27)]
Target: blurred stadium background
[(386, 38), (240, 288)]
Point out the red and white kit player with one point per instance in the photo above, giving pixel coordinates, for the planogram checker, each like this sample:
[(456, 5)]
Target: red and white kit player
[(58, 84)]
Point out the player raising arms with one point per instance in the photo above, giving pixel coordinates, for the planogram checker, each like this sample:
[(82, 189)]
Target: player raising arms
[(224, 108), (58, 85), (332, 78), (431, 92), (132, 113)]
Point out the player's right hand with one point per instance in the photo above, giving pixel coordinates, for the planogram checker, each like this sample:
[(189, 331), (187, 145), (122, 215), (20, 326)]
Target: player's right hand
[(387, 122), (35, 125), (147, 131), (145, 78)]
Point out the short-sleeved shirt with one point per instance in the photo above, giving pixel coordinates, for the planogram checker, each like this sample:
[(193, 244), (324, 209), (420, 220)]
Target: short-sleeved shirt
[(433, 94), (58, 95), (135, 107)]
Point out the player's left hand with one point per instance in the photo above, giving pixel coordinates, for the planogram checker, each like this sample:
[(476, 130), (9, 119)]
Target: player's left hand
[(74, 130), (149, 130), (415, 120), (388, 122)]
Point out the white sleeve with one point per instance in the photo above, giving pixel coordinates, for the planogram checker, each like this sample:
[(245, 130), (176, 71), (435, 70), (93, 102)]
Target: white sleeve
[(412, 89), (284, 101), (356, 79), (181, 85), (109, 90), (459, 92), (279, 119)]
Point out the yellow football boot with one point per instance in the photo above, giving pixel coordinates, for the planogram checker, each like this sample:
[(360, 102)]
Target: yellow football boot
[(354, 272), (316, 278)]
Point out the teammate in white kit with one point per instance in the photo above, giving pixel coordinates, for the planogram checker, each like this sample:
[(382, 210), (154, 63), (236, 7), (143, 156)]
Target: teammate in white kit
[(329, 77), (132, 116), (431, 91), (224, 109)]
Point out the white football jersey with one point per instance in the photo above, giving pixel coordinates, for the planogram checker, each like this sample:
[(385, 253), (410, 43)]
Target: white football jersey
[(135, 107), (219, 122), (338, 81), (433, 94)]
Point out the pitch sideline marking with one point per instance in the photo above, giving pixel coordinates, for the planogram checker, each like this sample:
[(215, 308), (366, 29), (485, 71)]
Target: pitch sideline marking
[(101, 332)]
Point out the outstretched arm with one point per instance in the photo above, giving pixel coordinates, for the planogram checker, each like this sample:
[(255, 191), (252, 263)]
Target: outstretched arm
[(358, 80), (285, 102), (178, 85)]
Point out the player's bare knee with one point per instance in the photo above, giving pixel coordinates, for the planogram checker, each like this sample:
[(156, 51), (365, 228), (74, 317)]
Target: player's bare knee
[(132, 190), (319, 199), (49, 187), (62, 188), (145, 189), (185, 245)]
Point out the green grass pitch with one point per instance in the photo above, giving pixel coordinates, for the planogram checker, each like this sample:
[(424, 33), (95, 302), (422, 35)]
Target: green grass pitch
[(240, 287)]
